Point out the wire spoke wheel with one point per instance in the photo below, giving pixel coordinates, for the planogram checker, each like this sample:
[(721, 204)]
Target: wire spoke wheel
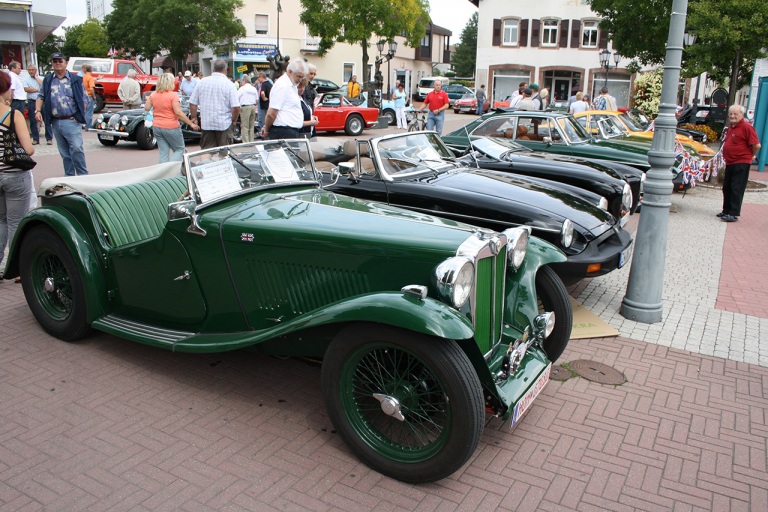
[(52, 285), (379, 374)]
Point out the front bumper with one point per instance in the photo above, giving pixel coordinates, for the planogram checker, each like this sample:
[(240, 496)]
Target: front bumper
[(606, 251)]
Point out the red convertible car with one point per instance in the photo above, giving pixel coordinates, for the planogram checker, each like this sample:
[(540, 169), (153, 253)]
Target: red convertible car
[(468, 104), (335, 113)]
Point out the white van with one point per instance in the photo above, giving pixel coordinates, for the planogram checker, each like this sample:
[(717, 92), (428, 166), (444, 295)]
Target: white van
[(426, 85)]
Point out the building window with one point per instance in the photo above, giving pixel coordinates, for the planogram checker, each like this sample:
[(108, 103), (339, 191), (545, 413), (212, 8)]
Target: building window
[(310, 40), (425, 40), (349, 70), (511, 34), (549, 33), (589, 35), (261, 24)]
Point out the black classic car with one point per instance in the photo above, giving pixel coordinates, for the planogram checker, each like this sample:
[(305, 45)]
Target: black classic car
[(134, 126), (508, 156), (417, 171)]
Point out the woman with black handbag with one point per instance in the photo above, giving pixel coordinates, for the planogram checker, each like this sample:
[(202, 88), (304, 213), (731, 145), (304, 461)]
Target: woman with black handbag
[(15, 178)]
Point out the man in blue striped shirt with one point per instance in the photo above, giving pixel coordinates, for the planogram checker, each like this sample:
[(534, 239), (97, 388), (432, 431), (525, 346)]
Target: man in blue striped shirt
[(219, 105)]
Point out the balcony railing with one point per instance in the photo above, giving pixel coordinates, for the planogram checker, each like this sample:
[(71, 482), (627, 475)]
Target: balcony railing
[(310, 44)]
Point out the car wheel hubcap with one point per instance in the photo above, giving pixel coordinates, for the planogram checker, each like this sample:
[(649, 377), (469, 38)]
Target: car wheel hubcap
[(390, 405), (48, 285)]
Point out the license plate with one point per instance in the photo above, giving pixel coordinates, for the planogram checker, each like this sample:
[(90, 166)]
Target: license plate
[(525, 402), (106, 137), (625, 255), (465, 109)]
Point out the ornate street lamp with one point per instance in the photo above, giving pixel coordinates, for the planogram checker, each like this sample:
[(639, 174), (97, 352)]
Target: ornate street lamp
[(378, 79), (689, 38), (605, 62)]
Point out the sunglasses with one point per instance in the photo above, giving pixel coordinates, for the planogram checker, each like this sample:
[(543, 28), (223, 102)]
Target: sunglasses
[(57, 60)]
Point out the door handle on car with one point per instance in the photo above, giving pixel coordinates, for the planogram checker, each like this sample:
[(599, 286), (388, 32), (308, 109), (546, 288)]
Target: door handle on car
[(185, 275)]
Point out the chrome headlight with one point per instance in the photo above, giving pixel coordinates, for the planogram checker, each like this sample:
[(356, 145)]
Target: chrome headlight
[(124, 120), (113, 121), (454, 279), (545, 322), (566, 234), (603, 204), (626, 197), (100, 118), (517, 246)]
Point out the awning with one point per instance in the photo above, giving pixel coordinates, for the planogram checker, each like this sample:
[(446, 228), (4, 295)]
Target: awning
[(163, 62)]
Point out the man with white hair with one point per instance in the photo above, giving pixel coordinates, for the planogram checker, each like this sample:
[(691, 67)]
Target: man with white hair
[(219, 105), (130, 91), (285, 118), (310, 92), (740, 147)]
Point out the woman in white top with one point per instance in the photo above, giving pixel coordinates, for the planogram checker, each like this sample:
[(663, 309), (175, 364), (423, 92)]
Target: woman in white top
[(579, 105), (400, 98)]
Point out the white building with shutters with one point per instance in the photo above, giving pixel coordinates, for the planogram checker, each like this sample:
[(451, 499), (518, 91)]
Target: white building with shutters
[(553, 43)]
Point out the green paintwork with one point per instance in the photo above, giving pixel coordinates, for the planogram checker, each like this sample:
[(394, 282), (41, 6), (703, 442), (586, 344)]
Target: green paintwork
[(76, 239), (379, 368)]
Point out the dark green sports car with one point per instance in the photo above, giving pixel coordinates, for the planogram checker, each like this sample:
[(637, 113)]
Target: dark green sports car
[(424, 324)]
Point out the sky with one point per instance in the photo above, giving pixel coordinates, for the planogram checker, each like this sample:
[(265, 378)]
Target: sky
[(450, 14)]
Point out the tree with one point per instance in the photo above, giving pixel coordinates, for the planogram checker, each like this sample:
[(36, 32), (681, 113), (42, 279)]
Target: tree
[(464, 58), (71, 36), (52, 43), (178, 26), (93, 40), (731, 34), (357, 21)]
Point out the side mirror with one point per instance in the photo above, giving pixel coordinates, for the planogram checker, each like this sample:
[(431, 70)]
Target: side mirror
[(548, 140), (181, 210), (346, 168)]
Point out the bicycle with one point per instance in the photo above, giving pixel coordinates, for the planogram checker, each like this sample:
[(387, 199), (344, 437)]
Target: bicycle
[(417, 121)]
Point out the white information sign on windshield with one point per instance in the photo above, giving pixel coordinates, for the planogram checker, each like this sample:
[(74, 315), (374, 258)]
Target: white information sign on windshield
[(215, 179), (280, 167)]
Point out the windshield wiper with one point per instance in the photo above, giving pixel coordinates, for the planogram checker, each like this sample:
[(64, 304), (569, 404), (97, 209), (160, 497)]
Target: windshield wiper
[(414, 162), (253, 171)]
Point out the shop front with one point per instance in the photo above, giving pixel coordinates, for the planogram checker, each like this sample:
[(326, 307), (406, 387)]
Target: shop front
[(252, 58)]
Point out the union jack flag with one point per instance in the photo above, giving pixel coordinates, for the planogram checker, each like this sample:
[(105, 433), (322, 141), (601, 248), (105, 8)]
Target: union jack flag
[(247, 237)]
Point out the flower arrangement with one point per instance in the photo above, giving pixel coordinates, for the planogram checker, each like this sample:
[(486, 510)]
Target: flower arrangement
[(706, 130), (648, 93)]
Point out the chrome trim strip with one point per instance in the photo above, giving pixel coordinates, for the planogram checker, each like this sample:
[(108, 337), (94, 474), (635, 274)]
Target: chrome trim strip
[(110, 132), (160, 333), (450, 214)]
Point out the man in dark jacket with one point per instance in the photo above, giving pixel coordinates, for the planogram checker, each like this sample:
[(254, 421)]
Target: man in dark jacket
[(61, 103)]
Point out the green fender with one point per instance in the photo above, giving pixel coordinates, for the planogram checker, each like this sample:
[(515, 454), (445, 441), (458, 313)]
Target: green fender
[(521, 305), (428, 316), (75, 238)]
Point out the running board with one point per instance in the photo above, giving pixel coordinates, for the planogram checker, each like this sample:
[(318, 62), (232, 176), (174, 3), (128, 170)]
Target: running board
[(141, 332)]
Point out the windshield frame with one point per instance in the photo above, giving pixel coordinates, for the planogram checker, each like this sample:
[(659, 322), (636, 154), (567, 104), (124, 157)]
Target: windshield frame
[(630, 123), (375, 150), (580, 130), (603, 130), (509, 146), (226, 151)]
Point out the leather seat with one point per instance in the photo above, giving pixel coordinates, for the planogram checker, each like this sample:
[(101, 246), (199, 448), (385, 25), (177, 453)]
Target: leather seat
[(350, 148), (133, 213), (367, 166), (522, 132)]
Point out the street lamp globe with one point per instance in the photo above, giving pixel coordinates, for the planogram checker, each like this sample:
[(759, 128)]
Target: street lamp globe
[(616, 58), (689, 38), (605, 56), (393, 46), (380, 46)]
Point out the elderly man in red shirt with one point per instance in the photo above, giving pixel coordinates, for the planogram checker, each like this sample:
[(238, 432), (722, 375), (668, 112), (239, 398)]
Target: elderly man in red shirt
[(741, 146), (437, 101)]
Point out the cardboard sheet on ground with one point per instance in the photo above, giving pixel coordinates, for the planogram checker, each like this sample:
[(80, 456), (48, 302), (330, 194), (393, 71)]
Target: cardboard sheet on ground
[(586, 324)]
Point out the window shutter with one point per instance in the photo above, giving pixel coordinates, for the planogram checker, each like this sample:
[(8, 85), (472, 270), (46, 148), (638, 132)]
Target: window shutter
[(575, 33), (262, 24), (603, 43), (523, 33), (535, 29), (563, 33), (496, 33)]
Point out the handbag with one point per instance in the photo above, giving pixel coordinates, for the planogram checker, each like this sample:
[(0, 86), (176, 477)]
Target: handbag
[(14, 154)]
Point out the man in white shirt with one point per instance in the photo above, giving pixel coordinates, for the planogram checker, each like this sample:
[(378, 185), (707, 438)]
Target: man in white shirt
[(285, 118), (19, 95), (248, 96), (187, 85), (219, 105)]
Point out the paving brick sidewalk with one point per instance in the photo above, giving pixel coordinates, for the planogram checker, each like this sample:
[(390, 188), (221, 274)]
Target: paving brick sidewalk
[(106, 424)]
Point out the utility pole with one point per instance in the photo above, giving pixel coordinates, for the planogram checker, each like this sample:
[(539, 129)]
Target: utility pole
[(643, 301)]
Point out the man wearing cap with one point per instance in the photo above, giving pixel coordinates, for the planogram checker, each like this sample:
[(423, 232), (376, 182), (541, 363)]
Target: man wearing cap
[(61, 103), (187, 85), (536, 97), (526, 103)]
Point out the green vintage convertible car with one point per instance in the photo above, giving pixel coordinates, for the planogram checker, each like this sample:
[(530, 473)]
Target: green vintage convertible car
[(424, 324)]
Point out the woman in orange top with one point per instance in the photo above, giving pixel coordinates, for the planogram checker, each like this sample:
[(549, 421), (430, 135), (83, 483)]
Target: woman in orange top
[(167, 113)]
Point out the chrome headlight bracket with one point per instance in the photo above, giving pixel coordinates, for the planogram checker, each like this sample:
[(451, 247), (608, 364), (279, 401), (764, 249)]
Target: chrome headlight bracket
[(543, 325)]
